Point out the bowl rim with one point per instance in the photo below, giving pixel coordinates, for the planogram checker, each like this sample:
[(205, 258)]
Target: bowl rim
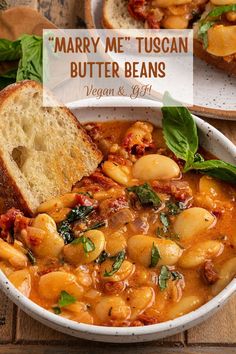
[(45, 316)]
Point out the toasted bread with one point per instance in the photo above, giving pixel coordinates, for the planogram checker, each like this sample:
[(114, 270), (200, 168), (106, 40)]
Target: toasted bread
[(219, 62), (116, 15), (43, 152)]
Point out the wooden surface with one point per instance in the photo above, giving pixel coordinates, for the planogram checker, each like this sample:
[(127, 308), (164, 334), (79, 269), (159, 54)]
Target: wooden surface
[(21, 334)]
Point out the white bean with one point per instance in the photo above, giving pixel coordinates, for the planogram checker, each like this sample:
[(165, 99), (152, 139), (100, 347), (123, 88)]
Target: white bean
[(52, 243), (226, 274), (193, 221), (75, 253), (125, 270), (52, 284), (140, 248), (8, 253), (154, 166), (140, 299), (119, 174), (112, 308), (115, 243), (185, 305), (79, 312), (211, 187), (200, 253), (21, 279), (223, 2)]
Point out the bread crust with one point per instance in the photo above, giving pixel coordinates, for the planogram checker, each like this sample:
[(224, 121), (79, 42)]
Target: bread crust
[(218, 62), (9, 191)]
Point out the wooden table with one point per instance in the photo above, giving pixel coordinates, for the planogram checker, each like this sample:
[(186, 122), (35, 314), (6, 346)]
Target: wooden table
[(21, 334)]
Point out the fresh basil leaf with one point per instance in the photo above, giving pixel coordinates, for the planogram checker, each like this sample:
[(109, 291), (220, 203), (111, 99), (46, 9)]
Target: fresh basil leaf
[(146, 195), (175, 208), (66, 299), (31, 62), (218, 169), (103, 256), (176, 275), (79, 213), (87, 243), (31, 257), (165, 221), (220, 10), (10, 50), (180, 130), (202, 32), (119, 259), (65, 230), (56, 310), (155, 256), (207, 22), (163, 278)]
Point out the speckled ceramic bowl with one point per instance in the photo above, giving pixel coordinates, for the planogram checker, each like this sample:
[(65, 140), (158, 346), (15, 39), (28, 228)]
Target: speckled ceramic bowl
[(214, 142)]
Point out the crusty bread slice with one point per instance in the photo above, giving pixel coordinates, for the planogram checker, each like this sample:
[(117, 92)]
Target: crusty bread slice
[(218, 62), (116, 15), (43, 151)]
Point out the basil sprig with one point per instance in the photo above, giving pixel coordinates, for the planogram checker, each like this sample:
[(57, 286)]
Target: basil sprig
[(218, 169), (155, 256), (146, 195), (211, 19), (180, 133), (165, 275), (28, 50)]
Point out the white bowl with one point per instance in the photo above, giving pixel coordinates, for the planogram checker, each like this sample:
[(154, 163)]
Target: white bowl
[(213, 141)]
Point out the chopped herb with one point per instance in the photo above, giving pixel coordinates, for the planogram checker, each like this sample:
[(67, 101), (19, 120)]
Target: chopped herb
[(103, 256), (31, 257), (165, 221), (164, 276), (146, 195), (65, 230), (119, 259), (176, 275), (79, 213), (87, 243), (170, 235), (57, 310), (155, 256), (175, 208), (66, 299)]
